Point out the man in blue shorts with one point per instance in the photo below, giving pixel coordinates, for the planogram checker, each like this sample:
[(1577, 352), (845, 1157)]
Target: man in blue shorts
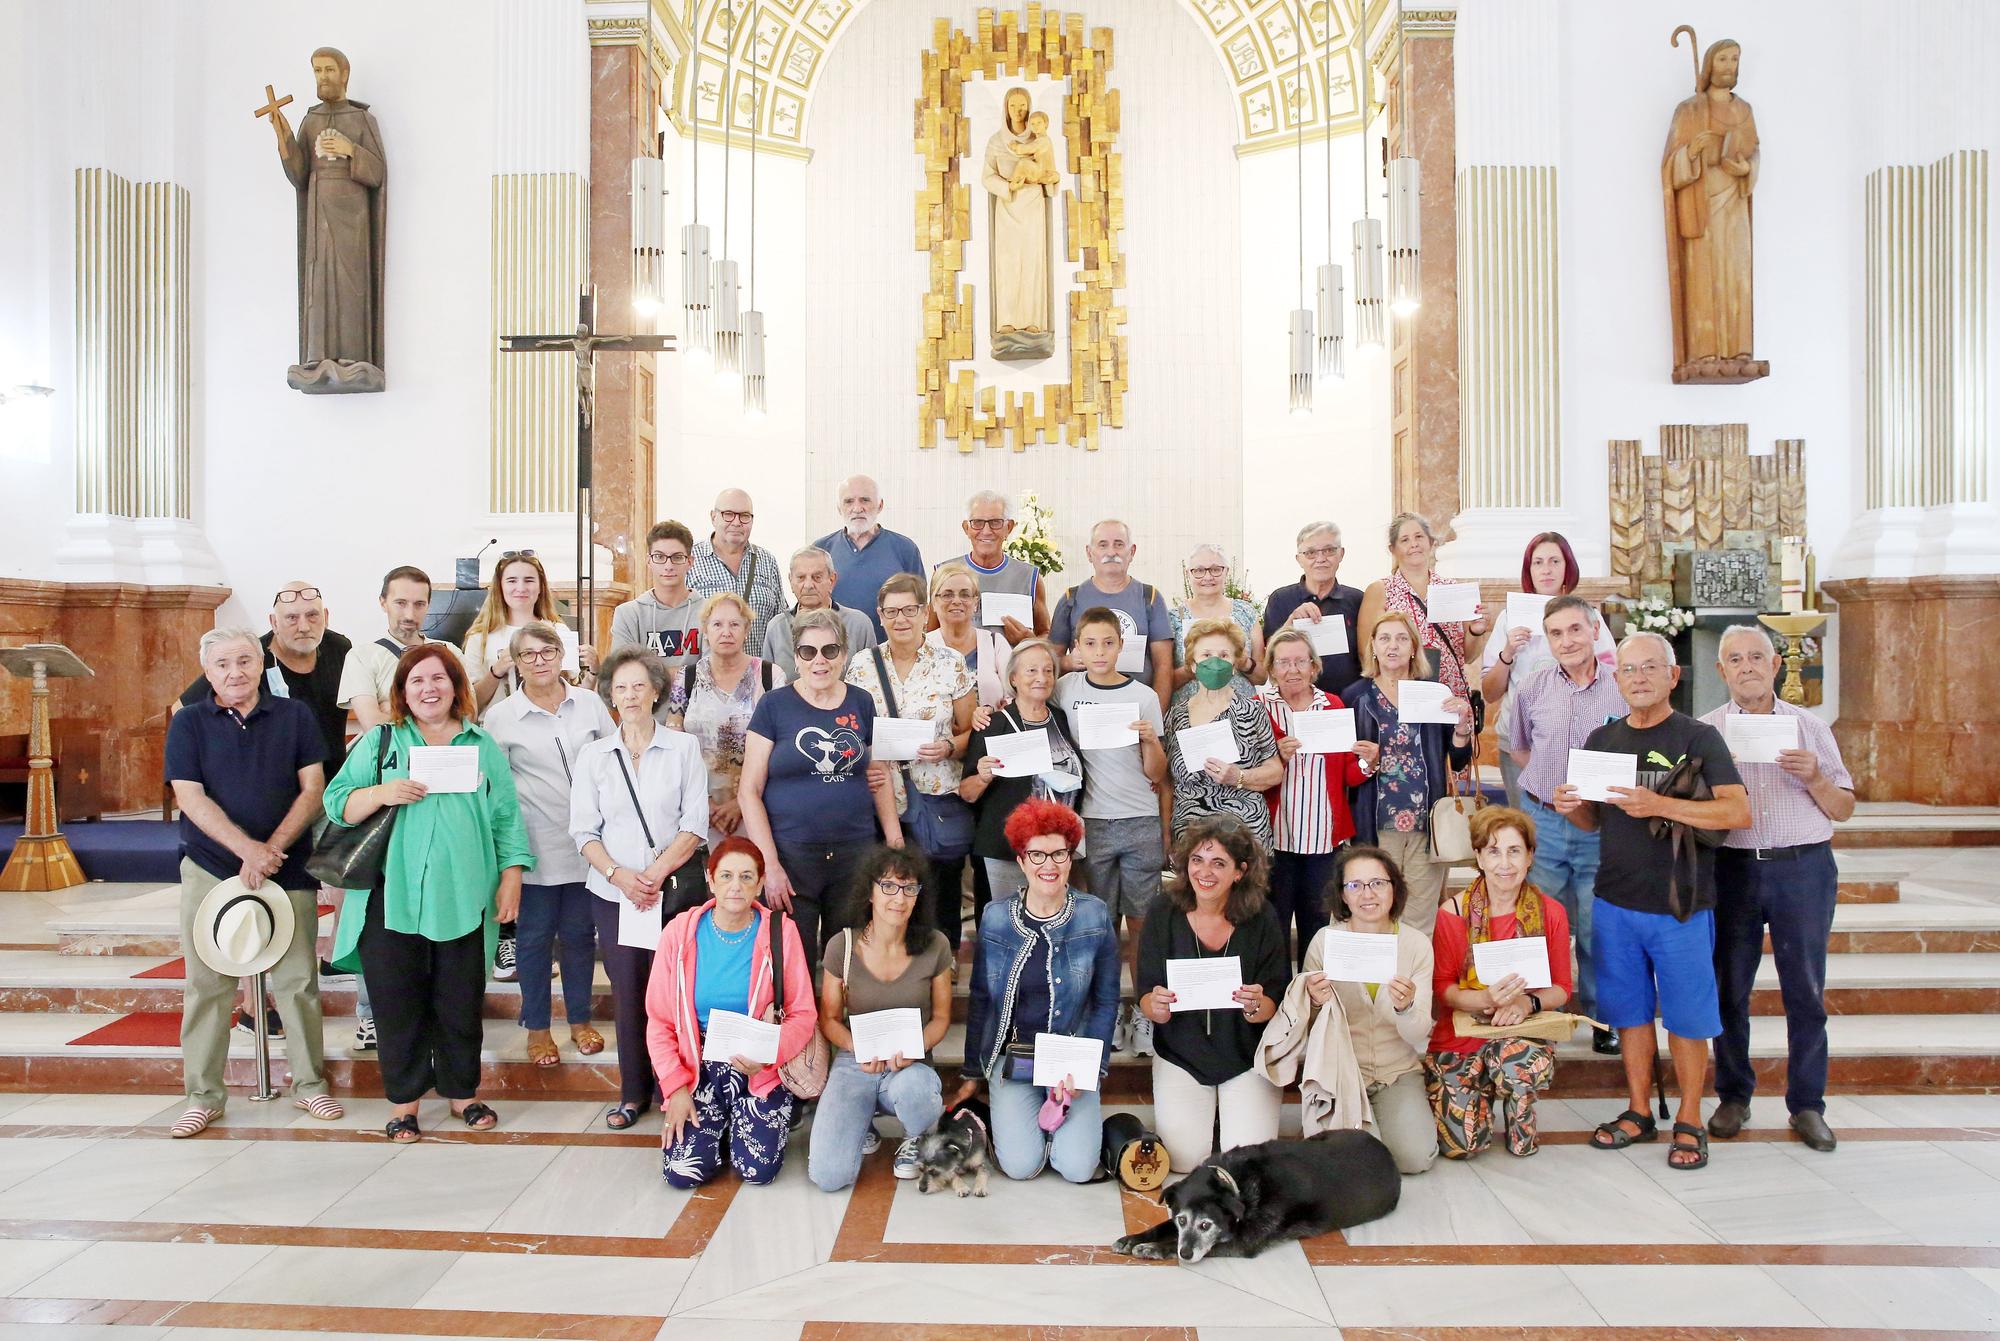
[(1654, 930)]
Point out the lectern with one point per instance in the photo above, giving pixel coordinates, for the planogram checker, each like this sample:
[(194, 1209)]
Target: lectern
[(42, 859)]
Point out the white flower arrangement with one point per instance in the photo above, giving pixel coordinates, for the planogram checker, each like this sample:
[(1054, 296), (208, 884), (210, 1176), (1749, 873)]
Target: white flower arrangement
[(1034, 540), (1652, 615)]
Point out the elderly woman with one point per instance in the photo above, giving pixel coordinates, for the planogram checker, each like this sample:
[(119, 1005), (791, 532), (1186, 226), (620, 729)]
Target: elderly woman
[(1309, 819), (955, 606), (1206, 570), (1548, 569), (1203, 1062), (638, 811), (719, 957), (1047, 963), (805, 796), (1413, 547), (891, 958), (1388, 1023), (1406, 765), (713, 700), (1031, 683), (545, 729), (425, 933), (1469, 1078), (1213, 785), (912, 679), (518, 596)]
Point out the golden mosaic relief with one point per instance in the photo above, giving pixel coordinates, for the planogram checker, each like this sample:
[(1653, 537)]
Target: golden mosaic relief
[(951, 405)]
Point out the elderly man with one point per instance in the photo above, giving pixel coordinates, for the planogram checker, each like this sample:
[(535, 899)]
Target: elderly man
[(989, 520), (1778, 872), (727, 561), (1318, 595), (247, 769), (664, 618), (1647, 955), (1555, 710), (1148, 630), (370, 672), (303, 659), (814, 588), (864, 553)]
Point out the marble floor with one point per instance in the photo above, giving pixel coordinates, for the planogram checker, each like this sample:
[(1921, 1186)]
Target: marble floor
[(273, 1225)]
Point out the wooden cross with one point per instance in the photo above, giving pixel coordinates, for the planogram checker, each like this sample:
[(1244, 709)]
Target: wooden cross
[(272, 102), (584, 345)]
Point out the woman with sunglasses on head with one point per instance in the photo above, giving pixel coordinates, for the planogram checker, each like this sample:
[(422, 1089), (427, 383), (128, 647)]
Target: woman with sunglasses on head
[(519, 595), (890, 958)]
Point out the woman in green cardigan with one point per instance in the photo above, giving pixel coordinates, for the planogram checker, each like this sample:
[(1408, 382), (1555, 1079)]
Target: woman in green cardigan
[(425, 934)]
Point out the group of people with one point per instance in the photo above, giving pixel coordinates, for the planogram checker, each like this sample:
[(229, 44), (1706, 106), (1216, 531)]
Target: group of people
[(718, 808)]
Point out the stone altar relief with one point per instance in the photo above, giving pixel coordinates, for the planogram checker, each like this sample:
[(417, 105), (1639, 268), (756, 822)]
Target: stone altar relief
[(336, 166), (1023, 188), (1708, 175), (1703, 494)]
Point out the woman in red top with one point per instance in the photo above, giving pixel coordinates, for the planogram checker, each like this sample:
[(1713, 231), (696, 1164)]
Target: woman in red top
[(1468, 1078)]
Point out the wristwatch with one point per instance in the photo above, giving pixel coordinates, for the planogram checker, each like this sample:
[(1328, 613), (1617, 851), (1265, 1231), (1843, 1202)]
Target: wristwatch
[(1536, 1002)]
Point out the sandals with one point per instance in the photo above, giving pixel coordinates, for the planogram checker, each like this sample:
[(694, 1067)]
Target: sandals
[(588, 1041), (478, 1116), (542, 1049), (1611, 1136), (402, 1130), (623, 1116), (1699, 1149)]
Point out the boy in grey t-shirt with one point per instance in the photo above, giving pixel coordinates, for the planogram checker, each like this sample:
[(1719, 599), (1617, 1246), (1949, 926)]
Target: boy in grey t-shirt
[(1124, 850)]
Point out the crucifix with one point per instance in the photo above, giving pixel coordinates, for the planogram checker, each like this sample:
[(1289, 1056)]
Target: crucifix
[(584, 345), (272, 102)]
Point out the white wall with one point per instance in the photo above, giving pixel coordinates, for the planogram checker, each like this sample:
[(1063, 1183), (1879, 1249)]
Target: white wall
[(34, 476)]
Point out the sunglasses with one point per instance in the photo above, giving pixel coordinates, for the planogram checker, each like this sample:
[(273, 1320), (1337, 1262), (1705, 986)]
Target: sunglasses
[(517, 554), (983, 524), (816, 651), (290, 597)]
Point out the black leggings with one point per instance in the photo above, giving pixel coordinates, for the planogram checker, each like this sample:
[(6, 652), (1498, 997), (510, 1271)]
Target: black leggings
[(428, 997)]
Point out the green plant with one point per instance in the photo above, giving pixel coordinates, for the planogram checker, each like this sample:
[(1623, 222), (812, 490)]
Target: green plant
[(1034, 540)]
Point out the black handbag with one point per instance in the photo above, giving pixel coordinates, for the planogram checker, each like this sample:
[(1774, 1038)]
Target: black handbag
[(941, 827), (353, 856), (1684, 782)]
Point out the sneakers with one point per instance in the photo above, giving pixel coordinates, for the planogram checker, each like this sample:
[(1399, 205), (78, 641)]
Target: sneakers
[(364, 1034), (871, 1142), (1121, 1028), (273, 1026), (906, 1158), (503, 961), (1142, 1035)]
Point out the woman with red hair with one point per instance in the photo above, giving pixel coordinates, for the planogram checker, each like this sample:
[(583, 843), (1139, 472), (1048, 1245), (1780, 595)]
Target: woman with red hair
[(1047, 964), (718, 958)]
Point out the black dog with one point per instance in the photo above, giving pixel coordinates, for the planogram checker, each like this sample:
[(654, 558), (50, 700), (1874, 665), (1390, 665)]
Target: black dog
[(1240, 1202)]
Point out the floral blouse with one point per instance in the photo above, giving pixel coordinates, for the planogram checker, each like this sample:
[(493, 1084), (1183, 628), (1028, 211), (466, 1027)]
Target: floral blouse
[(1401, 799), (937, 680), (1200, 794), (720, 720), (1240, 610)]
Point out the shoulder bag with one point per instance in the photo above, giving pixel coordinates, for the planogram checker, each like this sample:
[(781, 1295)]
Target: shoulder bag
[(1451, 822), (940, 826), (352, 856), (805, 1074)]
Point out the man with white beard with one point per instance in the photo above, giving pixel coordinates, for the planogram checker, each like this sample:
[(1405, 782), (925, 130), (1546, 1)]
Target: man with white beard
[(865, 553)]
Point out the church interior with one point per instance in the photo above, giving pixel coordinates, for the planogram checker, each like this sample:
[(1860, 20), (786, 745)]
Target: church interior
[(555, 271)]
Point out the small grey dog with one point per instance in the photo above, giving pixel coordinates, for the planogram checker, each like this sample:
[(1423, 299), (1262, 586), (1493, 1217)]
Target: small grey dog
[(955, 1152)]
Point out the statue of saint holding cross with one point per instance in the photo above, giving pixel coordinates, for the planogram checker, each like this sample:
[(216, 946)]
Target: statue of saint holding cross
[(336, 166)]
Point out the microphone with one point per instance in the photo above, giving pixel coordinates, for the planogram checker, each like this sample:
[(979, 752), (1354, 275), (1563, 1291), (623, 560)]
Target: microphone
[(468, 569)]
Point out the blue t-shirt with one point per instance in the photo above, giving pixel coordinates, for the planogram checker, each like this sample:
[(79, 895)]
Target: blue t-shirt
[(817, 788), (249, 766), (721, 968), (860, 573), (1141, 610)]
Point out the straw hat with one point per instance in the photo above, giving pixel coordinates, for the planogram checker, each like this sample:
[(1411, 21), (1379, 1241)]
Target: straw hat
[(239, 932)]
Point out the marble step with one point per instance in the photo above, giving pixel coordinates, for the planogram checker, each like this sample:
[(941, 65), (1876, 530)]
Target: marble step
[(1899, 824)]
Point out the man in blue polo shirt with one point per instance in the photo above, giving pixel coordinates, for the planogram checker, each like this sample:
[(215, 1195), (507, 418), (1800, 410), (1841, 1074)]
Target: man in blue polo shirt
[(247, 769), (865, 553)]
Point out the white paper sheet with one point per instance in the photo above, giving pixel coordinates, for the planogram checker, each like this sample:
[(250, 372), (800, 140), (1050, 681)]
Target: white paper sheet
[(881, 1034), (1423, 701), (1132, 655), (732, 1035), (1059, 1055), (1022, 754), (1452, 602), (640, 930), (1330, 731), (1211, 740), (1592, 772), (1525, 955), (1756, 738), (1524, 611), (898, 738), (1328, 637), (1107, 726), (1358, 956), (1205, 984), (995, 606), (445, 768)]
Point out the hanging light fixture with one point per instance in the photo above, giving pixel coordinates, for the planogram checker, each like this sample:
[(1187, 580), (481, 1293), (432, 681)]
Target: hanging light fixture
[(728, 288), (1367, 231), (752, 356), (1301, 333), (1331, 288), (694, 246), (649, 212), (1405, 220)]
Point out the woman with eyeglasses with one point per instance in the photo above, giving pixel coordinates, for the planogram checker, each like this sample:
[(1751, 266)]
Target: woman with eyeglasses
[(1047, 963), (1217, 784), (955, 610), (712, 699), (519, 595), (1388, 1023), (806, 800), (915, 680), (1032, 675), (890, 959), (1206, 569)]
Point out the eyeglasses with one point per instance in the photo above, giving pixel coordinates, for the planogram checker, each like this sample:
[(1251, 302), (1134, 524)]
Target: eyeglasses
[(900, 611), (735, 518), (1646, 669), (816, 651), (1208, 570), (1375, 886), (516, 554), (986, 523), (670, 560), (1037, 857), (899, 888), (1290, 664), (537, 655), (1321, 551), (302, 594)]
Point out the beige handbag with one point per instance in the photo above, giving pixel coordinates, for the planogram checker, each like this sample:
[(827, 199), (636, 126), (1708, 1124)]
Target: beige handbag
[(1451, 824)]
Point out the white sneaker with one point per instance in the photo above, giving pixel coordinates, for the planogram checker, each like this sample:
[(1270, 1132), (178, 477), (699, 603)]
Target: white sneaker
[(503, 961), (1142, 1036), (871, 1142), (906, 1158), (364, 1034), (1121, 1028)]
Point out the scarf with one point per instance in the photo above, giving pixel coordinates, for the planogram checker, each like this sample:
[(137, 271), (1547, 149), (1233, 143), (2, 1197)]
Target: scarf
[(1527, 916)]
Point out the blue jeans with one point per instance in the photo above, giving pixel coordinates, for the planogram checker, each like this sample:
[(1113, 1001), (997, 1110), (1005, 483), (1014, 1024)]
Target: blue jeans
[(1024, 1149), (549, 912), (1566, 870), (1795, 898), (847, 1108)]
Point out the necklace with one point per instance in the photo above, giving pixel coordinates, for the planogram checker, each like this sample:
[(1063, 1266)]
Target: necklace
[(731, 937)]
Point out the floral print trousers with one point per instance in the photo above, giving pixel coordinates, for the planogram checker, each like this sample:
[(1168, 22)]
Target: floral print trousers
[(730, 1122), (1465, 1088)]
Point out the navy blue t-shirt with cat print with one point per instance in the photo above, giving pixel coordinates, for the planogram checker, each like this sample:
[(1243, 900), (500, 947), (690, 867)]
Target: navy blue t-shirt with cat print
[(817, 788)]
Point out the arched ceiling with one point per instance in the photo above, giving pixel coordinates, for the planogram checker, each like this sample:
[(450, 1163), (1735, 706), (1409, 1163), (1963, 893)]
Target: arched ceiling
[(1256, 41)]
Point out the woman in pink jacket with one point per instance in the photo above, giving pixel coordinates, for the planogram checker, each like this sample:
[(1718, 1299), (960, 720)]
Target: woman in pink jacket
[(717, 958)]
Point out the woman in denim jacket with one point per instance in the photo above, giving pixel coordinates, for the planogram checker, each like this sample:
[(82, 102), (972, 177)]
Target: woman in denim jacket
[(1047, 963)]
